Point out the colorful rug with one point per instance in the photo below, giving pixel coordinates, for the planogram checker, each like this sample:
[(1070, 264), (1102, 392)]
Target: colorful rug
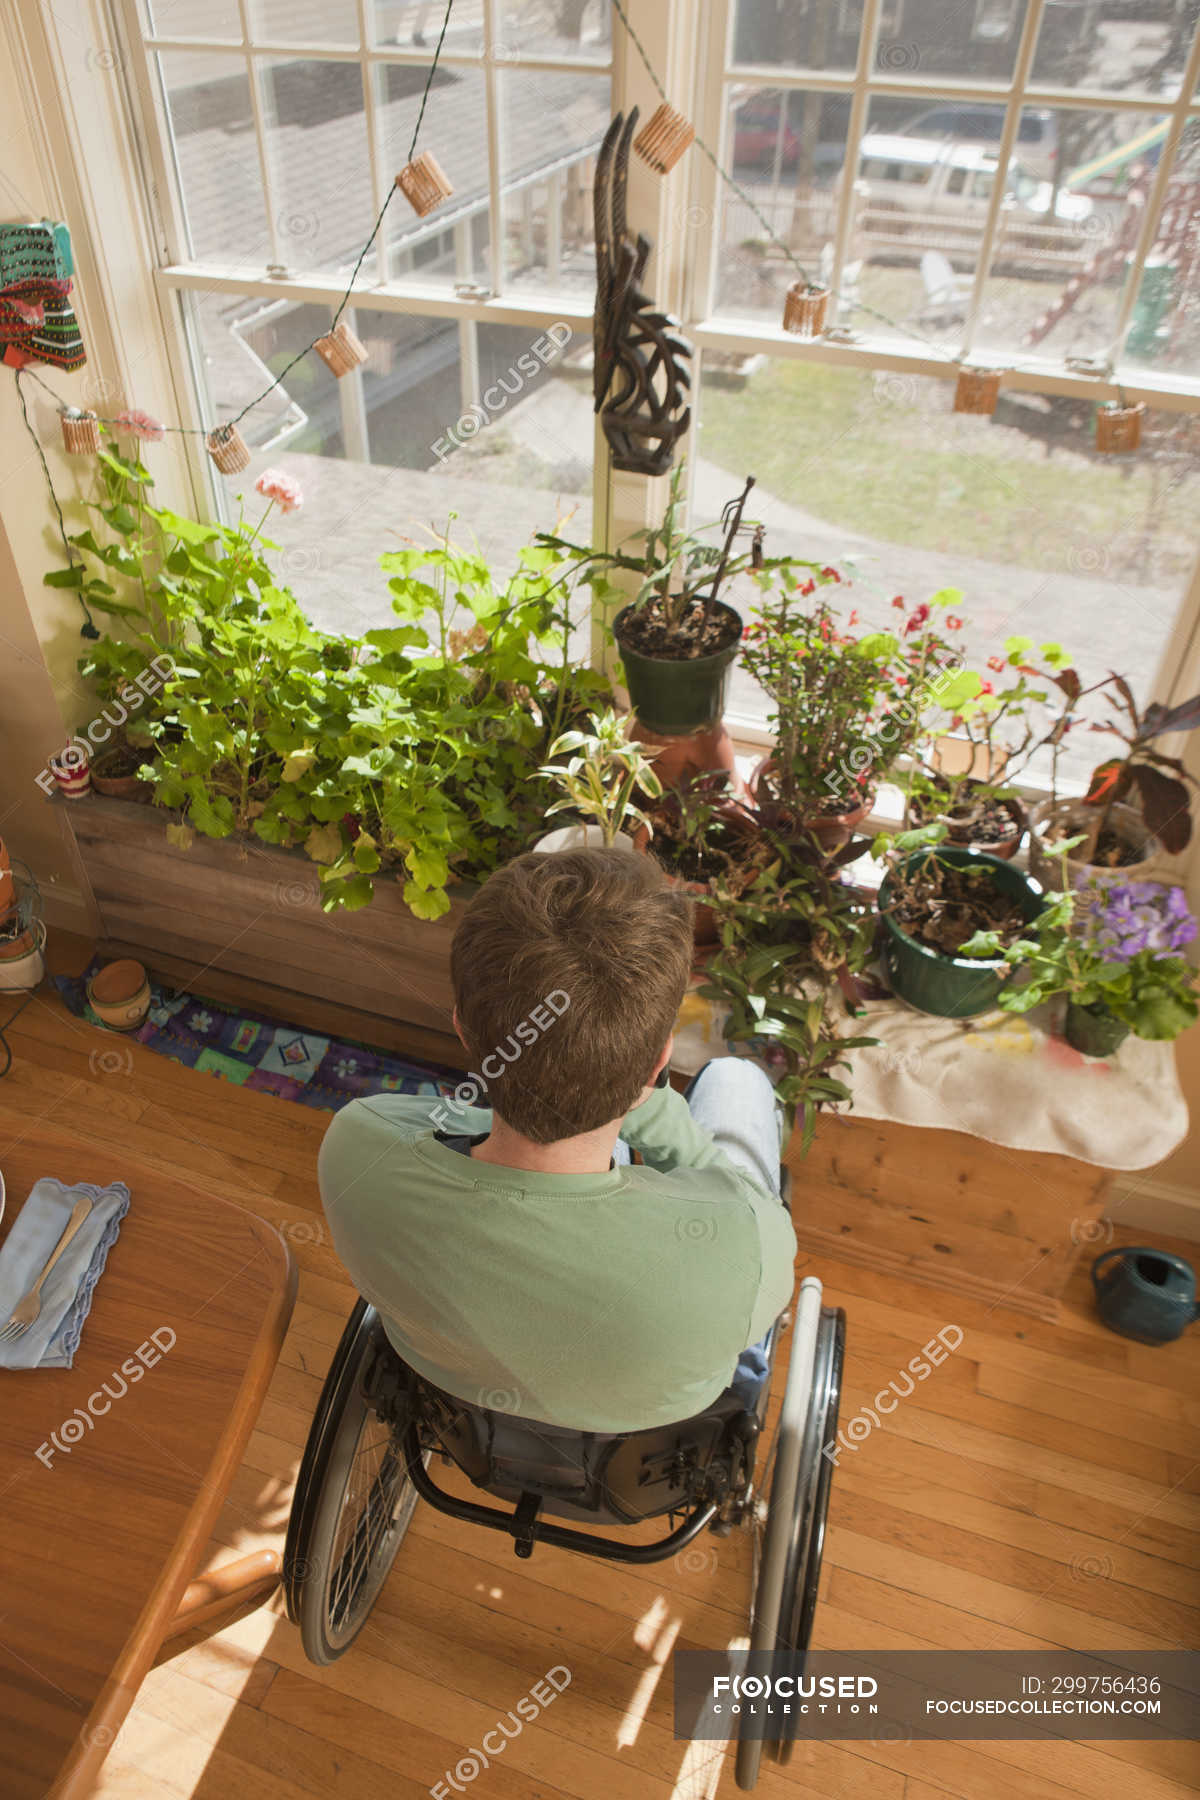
[(257, 1052)]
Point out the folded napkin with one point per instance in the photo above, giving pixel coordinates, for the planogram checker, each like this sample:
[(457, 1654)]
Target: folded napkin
[(53, 1338)]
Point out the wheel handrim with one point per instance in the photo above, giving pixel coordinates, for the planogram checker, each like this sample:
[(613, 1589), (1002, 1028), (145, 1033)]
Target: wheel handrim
[(370, 1497)]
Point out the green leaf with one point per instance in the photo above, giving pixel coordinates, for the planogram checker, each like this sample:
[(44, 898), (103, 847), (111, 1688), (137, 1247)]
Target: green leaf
[(66, 578), (426, 903)]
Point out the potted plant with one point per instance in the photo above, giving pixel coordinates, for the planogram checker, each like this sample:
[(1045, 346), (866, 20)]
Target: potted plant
[(936, 898), (793, 936), (1115, 834), (677, 637), (116, 771), (702, 836), (964, 776), (1112, 948), (839, 713), (604, 769)]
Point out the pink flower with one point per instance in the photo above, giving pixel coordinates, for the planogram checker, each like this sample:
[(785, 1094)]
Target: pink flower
[(985, 687), (140, 425), (853, 619), (283, 489), (953, 622), (997, 663)]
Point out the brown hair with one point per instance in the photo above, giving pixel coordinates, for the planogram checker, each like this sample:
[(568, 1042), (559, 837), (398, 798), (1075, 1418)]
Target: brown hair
[(568, 972)]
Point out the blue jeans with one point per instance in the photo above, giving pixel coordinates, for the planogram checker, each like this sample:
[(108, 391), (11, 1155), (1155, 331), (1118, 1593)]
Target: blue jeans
[(734, 1101)]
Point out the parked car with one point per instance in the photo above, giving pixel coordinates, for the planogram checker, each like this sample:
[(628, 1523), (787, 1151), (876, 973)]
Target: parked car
[(955, 181), (1037, 131)]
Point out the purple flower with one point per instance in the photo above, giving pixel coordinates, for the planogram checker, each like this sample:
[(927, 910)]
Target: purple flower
[(1121, 919)]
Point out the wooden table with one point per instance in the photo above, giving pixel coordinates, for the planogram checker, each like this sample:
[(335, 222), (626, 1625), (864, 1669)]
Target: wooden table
[(98, 1543)]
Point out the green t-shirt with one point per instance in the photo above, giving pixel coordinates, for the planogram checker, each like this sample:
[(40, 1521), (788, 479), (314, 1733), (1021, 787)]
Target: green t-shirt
[(605, 1302)]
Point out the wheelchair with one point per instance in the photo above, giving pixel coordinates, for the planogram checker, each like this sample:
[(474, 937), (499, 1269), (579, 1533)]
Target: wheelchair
[(379, 1426)]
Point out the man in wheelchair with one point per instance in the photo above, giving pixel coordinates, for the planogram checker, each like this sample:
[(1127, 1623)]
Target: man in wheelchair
[(519, 1260)]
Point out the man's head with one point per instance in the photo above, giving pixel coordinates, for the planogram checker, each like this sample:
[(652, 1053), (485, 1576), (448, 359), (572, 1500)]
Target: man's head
[(568, 972)]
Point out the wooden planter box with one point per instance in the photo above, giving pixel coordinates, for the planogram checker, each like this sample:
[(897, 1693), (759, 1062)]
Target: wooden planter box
[(242, 922)]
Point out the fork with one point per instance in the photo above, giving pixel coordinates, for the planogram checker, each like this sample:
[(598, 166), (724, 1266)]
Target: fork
[(25, 1312)]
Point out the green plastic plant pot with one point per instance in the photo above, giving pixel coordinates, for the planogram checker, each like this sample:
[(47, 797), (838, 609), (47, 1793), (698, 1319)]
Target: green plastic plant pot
[(953, 987), (677, 697), (1093, 1030)]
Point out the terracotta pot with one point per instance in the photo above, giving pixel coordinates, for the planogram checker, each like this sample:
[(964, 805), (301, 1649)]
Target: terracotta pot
[(697, 753), (18, 973), (18, 945), (1066, 818), (963, 831), (119, 994), (831, 830)]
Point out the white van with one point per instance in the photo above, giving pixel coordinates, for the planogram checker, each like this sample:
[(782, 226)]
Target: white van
[(954, 181)]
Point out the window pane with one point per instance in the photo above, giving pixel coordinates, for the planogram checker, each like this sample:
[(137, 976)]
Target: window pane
[(1062, 253), (320, 169), (814, 34), (452, 243), (304, 21), (552, 128), (509, 449), (1046, 537), (554, 28), (212, 124), (194, 18), (1139, 48), (787, 147)]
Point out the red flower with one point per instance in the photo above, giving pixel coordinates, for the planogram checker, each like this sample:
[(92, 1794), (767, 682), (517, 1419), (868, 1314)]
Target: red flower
[(899, 601), (853, 619), (997, 663), (953, 622), (831, 575), (809, 587), (985, 687), (916, 618)]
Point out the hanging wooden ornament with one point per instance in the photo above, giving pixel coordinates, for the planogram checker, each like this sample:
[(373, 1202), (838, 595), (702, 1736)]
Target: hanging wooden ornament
[(424, 183), (804, 308), (227, 447), (664, 138), (1119, 427), (80, 430), (341, 350), (977, 390)]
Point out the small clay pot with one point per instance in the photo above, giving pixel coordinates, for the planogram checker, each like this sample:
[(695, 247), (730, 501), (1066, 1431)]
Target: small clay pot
[(831, 830), (119, 994), (119, 787), (976, 390), (804, 309), (1119, 428)]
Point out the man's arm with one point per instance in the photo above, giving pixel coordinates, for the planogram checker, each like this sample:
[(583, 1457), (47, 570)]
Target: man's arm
[(663, 1130)]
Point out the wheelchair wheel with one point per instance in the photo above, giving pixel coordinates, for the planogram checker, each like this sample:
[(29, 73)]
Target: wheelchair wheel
[(353, 1501), (789, 1566)]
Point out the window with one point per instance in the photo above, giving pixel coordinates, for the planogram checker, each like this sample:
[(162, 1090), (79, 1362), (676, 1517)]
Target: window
[(1079, 271), (1061, 277), (277, 150)]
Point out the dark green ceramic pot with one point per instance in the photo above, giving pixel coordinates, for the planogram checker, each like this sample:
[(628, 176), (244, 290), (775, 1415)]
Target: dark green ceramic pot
[(679, 697), (1093, 1030), (953, 987)]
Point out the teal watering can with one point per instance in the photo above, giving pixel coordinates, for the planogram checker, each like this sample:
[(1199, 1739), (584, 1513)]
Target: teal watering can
[(1145, 1294)]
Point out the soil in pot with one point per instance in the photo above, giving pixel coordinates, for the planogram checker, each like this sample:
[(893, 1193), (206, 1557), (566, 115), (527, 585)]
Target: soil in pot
[(946, 906), (930, 910), (700, 631), (994, 824), (116, 773)]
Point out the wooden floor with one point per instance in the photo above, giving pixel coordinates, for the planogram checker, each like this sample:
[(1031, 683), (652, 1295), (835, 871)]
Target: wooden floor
[(1038, 1490)]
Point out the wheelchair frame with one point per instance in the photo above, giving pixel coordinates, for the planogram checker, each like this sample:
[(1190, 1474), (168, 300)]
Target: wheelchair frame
[(369, 1384)]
